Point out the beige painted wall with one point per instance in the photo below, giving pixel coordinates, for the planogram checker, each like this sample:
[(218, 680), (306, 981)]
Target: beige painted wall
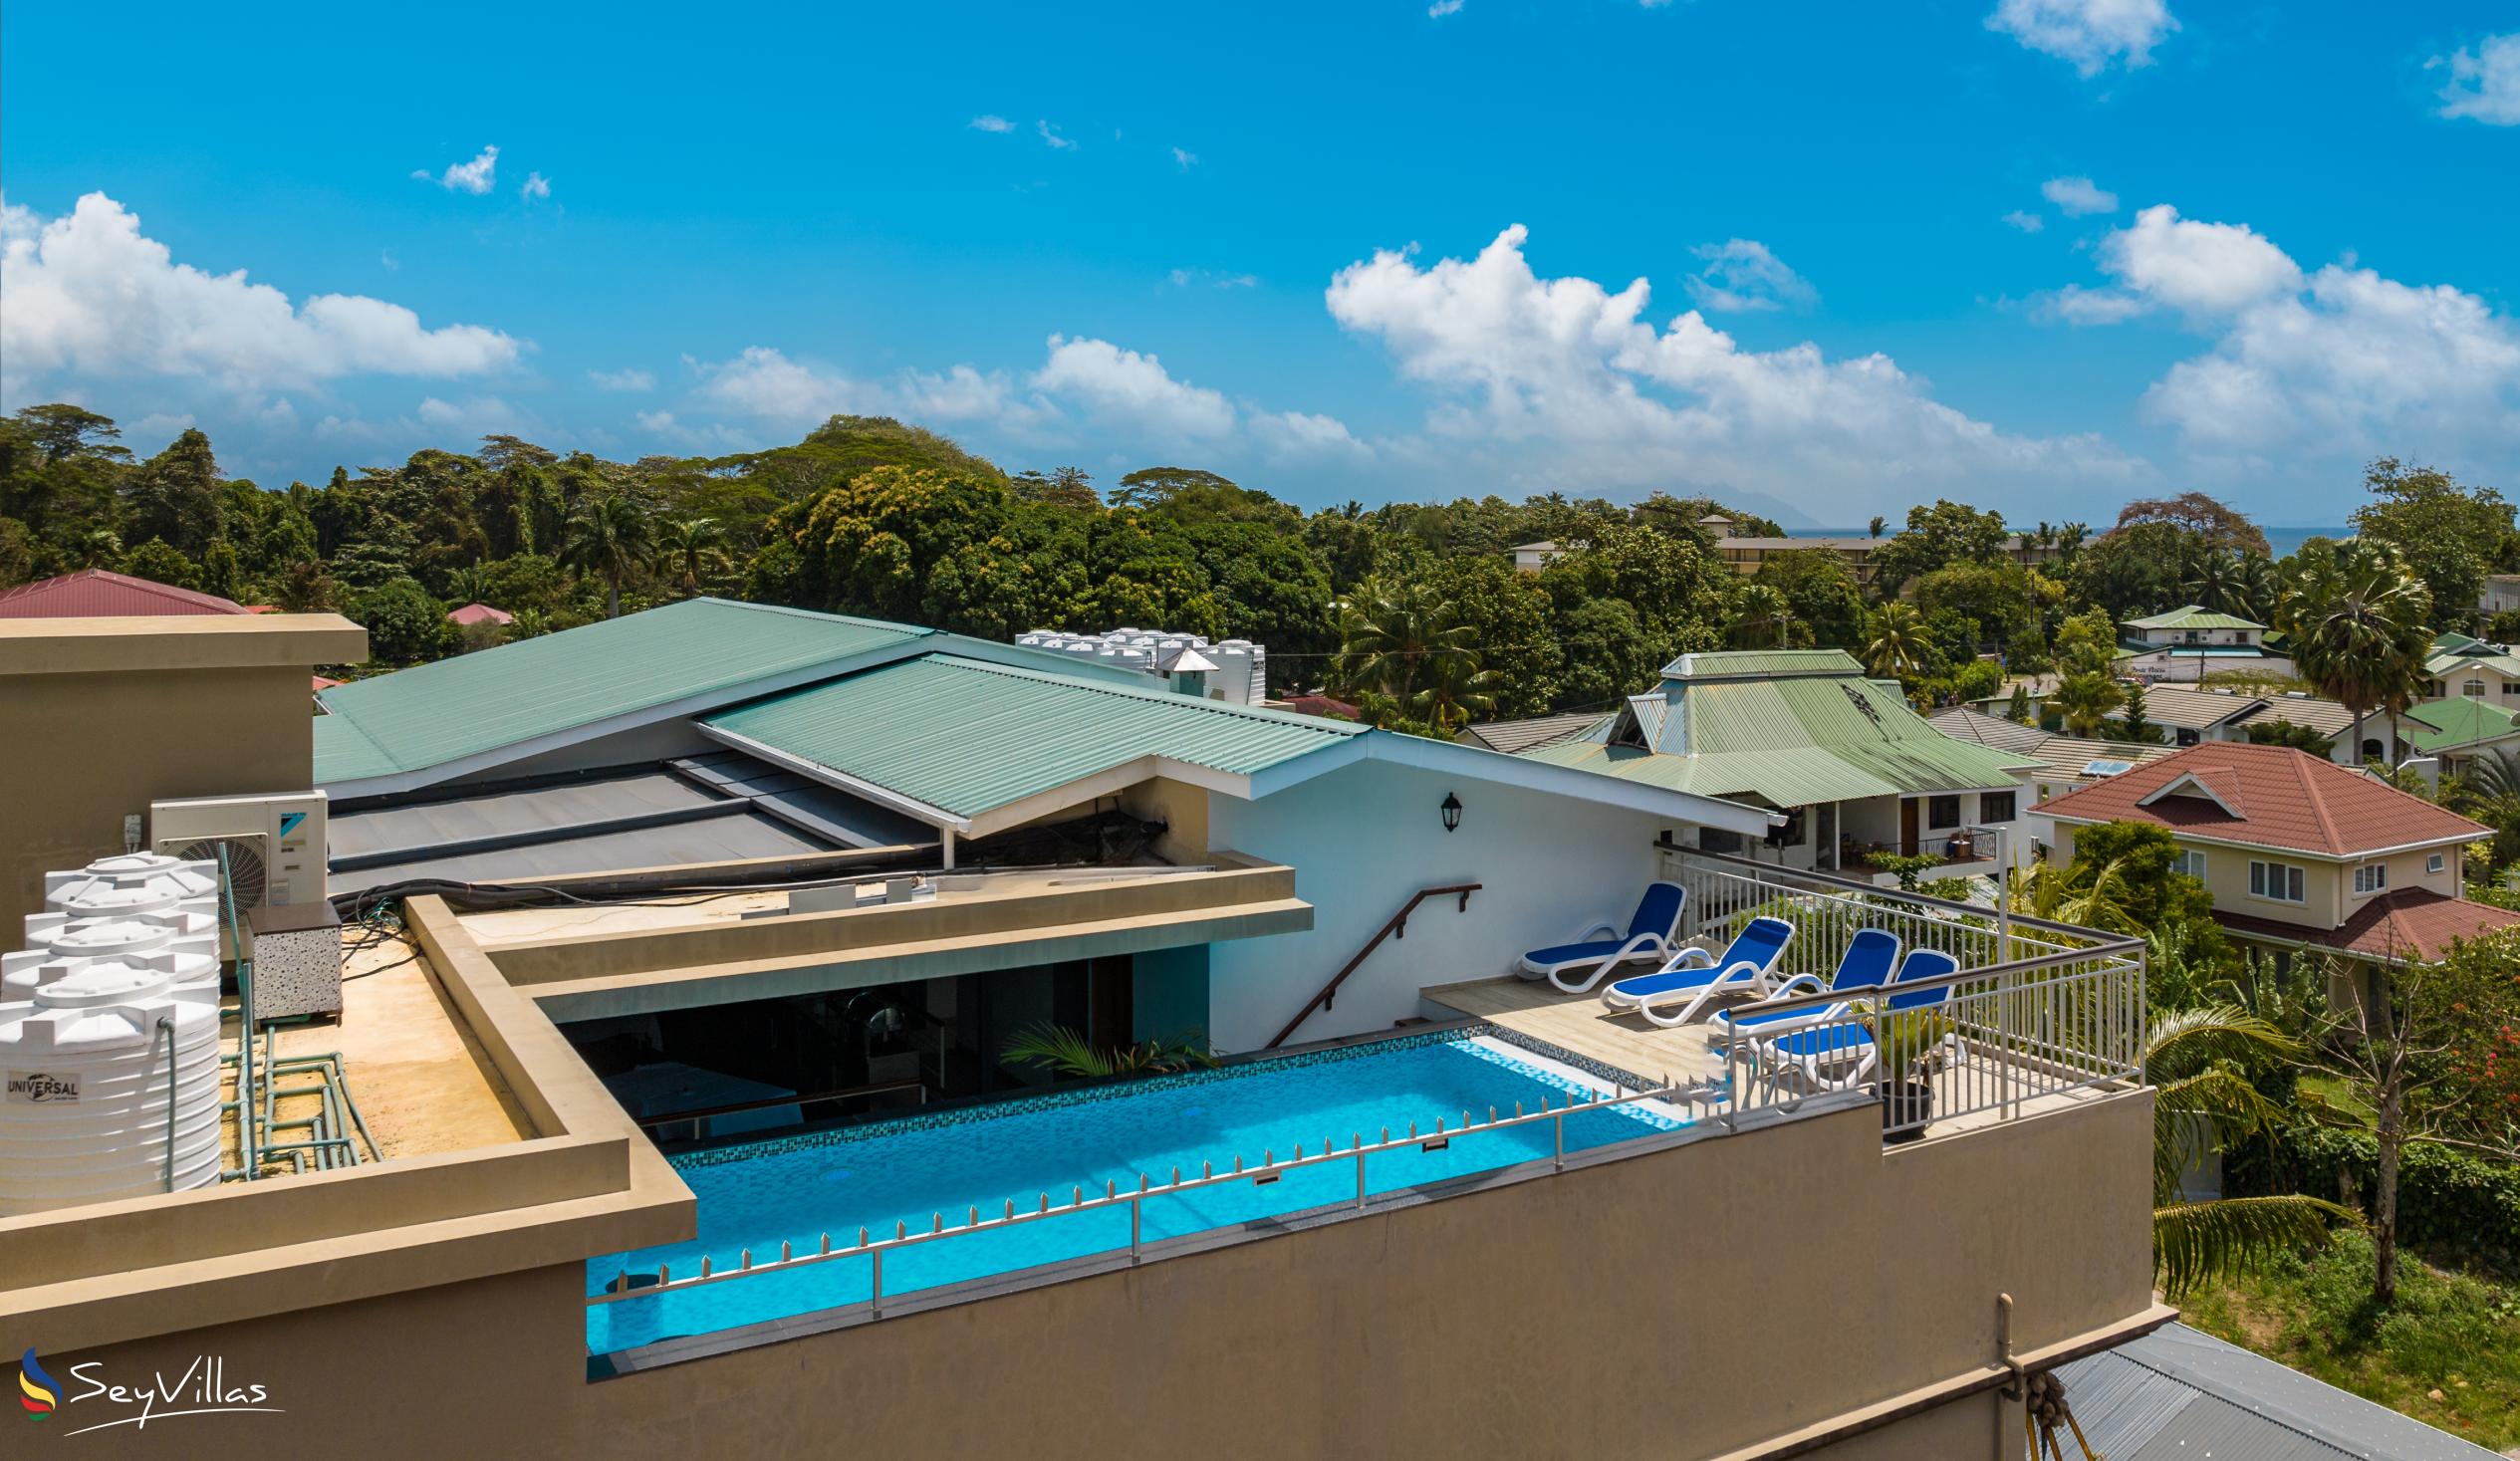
[(176, 715), (1618, 1310), (2327, 887)]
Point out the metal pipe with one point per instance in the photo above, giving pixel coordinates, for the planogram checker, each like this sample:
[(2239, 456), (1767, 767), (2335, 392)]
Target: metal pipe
[(245, 1019), (167, 1026)]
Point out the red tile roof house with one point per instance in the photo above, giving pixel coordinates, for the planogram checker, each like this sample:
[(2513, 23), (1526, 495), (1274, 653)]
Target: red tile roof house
[(98, 594), (2300, 853), (479, 613)]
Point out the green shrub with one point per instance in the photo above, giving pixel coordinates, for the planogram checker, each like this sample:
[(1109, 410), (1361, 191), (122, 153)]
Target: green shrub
[(2451, 1205)]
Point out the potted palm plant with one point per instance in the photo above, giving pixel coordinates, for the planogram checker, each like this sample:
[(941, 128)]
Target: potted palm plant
[(1913, 1049)]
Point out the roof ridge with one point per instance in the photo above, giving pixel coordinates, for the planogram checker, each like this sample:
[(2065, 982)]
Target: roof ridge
[(823, 616), (1321, 723), (2311, 793)]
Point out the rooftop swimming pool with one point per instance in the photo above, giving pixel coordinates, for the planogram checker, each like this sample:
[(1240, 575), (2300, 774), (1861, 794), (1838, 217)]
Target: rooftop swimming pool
[(910, 1170)]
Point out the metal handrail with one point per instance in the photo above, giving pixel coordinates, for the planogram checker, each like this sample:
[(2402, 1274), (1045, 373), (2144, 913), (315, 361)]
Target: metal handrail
[(1772, 871), (1396, 926), (1114, 1195)]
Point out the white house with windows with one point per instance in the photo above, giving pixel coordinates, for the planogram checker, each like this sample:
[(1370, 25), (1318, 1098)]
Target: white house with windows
[(1853, 769)]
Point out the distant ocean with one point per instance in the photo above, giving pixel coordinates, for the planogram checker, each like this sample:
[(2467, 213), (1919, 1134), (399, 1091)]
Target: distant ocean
[(2282, 540)]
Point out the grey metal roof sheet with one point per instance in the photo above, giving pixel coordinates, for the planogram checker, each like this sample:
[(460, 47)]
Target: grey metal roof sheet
[(2180, 1392)]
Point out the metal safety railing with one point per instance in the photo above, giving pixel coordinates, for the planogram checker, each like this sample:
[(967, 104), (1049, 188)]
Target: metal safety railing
[(1950, 1045), (871, 1247), (1826, 911), (2028, 1009)]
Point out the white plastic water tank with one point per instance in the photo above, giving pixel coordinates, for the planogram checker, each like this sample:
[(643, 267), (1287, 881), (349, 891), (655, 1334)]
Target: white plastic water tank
[(131, 882), (183, 944), (95, 1064)]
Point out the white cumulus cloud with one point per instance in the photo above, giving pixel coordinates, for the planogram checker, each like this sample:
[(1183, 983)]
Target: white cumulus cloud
[(476, 177), (2196, 267), (1306, 434), (2026, 222), (769, 386), (1052, 136), (1123, 387), (1574, 372), (2484, 82), (1443, 8), (1743, 274), (2078, 196), (2089, 33), (629, 380), (536, 187), (990, 121), (2339, 362), (90, 294)]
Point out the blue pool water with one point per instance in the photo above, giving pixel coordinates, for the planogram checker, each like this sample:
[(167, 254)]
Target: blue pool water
[(797, 1188)]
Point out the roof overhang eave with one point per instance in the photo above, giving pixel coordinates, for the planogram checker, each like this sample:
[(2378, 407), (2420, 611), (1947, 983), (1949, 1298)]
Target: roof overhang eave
[(1479, 764), (882, 795)]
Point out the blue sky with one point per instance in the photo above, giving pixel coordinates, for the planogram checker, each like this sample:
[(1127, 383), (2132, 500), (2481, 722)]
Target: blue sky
[(2043, 254)]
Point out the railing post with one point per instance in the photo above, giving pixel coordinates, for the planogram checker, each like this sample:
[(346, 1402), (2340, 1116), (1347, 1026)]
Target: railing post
[(1560, 1125), (1359, 1177), (1137, 1206), (874, 1298)]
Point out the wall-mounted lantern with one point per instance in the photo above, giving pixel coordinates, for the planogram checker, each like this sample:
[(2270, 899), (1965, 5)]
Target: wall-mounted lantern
[(1451, 812)]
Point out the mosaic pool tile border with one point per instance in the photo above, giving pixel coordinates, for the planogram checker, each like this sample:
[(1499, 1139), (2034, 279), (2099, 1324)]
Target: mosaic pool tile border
[(1110, 1091)]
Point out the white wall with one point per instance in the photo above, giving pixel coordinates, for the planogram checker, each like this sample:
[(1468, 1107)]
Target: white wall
[(1363, 839)]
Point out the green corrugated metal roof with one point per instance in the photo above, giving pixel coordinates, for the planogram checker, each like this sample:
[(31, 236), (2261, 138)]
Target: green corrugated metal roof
[(2444, 724), (1761, 662), (1792, 741), (2443, 661), (967, 737), (344, 753), (2193, 617), (431, 714), (1791, 776)]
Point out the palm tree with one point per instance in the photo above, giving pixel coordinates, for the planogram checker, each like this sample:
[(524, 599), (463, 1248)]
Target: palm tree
[(468, 585), (2361, 631), (1402, 642), (2212, 580), (1875, 526), (2198, 1063), (1454, 690), (2085, 700), (1760, 611), (609, 537), (694, 546), (2255, 588), (1895, 641)]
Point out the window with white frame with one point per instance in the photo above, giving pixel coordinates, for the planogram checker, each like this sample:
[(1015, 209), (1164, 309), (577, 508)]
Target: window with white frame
[(2473, 689), (2435, 863), (2278, 881), (2192, 862), (2371, 877)]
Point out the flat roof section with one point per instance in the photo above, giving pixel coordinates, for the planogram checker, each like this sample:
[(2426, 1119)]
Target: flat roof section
[(722, 807), (421, 1082)]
